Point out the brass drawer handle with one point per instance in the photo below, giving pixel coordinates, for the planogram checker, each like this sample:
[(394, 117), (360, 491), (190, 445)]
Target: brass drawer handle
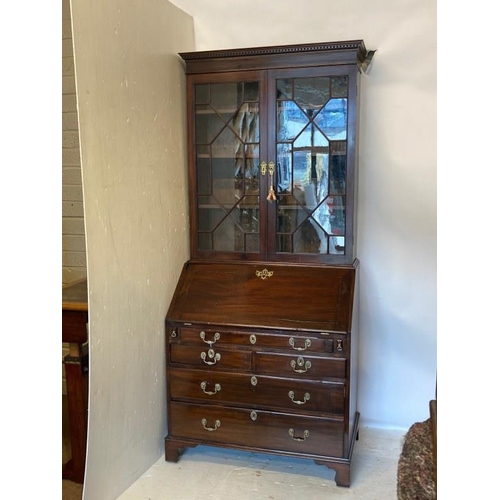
[(211, 355), (307, 397), (204, 423), (307, 344), (210, 342), (217, 388), (339, 347), (292, 434), (300, 363)]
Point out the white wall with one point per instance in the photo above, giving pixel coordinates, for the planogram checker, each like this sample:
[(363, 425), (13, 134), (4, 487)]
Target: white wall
[(131, 105), (397, 176)]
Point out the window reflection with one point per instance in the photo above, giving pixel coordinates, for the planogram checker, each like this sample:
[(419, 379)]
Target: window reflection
[(311, 164)]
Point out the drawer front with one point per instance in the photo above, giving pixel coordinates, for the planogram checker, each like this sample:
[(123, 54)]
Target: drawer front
[(213, 337), (300, 365), (256, 428), (213, 358), (257, 391)]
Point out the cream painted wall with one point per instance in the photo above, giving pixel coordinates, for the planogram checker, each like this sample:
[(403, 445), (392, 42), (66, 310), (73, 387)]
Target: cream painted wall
[(131, 105), (397, 176)]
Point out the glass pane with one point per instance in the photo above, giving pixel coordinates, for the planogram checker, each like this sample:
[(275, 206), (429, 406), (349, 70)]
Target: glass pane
[(310, 238), (209, 217), (228, 176), (338, 166), (290, 214), (284, 168), (251, 91), (310, 167), (245, 122), (224, 184), (291, 120), (332, 119), (284, 89), (227, 145), (339, 86), (208, 125), (229, 237), (204, 178), (251, 243), (311, 93), (337, 245), (336, 211), (226, 97), (204, 241), (284, 243), (202, 94), (311, 157)]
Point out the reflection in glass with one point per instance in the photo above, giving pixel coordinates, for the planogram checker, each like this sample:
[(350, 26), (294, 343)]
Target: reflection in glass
[(227, 160), (284, 89), (311, 93), (291, 121), (332, 119), (311, 164), (339, 86)]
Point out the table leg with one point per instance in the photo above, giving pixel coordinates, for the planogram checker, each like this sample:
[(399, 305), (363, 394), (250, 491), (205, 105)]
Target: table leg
[(76, 369)]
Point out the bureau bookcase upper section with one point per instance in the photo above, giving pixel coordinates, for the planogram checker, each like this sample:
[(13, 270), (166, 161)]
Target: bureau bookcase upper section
[(272, 135)]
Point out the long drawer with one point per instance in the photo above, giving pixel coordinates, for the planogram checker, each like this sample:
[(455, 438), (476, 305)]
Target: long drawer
[(257, 391), (301, 342), (257, 429)]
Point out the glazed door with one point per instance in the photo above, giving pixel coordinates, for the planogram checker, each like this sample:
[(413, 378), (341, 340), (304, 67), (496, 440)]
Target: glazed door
[(227, 209), (311, 118)]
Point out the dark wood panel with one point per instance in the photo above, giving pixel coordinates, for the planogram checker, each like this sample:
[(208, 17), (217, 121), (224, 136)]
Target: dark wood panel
[(257, 391), (74, 326), (277, 431), (283, 56)]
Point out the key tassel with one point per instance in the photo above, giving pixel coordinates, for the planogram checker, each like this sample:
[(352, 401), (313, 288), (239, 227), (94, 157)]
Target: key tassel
[(272, 195)]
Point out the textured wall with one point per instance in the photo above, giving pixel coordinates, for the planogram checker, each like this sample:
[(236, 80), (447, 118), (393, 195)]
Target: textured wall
[(131, 104)]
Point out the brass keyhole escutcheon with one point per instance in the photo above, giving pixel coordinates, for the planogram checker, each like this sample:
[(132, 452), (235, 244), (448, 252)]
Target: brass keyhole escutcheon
[(253, 339), (253, 415)]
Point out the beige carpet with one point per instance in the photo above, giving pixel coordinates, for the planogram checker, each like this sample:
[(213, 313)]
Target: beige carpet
[(70, 490)]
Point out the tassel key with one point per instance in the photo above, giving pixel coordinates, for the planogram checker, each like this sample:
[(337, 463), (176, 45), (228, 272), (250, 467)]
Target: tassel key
[(271, 195)]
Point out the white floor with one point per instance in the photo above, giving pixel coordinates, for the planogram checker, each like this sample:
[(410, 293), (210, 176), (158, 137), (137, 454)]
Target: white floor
[(205, 473)]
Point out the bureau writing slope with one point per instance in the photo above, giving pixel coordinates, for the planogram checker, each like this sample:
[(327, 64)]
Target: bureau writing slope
[(261, 331)]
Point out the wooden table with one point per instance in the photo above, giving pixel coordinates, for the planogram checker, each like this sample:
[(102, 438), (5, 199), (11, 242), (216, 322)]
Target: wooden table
[(74, 331)]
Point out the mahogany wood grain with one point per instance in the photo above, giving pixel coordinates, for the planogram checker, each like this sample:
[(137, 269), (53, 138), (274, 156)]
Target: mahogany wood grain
[(247, 390), (294, 298), (268, 430)]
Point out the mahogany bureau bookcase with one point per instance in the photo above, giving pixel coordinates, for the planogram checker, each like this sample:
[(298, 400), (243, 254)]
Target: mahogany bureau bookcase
[(261, 331)]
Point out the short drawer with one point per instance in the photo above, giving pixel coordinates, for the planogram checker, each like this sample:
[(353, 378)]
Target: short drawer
[(257, 391), (300, 365), (285, 341), (257, 429), (210, 357)]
